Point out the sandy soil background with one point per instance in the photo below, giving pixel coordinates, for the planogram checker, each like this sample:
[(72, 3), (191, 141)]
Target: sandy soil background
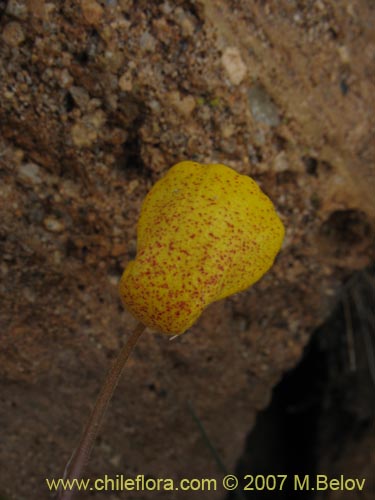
[(98, 99)]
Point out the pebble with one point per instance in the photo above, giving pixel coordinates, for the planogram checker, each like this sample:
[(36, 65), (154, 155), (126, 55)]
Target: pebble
[(166, 8), (92, 11), (80, 96), (13, 34), (53, 225), (184, 105), (30, 173), (114, 59), (16, 8), (4, 268), (227, 130), (65, 78), (132, 186), (94, 104), (183, 20), (147, 42), (85, 132), (344, 54), (233, 65), (96, 119), (118, 249), (155, 106), (262, 107), (37, 8), (280, 163), (125, 82), (116, 136), (57, 257), (83, 135), (69, 189), (115, 461)]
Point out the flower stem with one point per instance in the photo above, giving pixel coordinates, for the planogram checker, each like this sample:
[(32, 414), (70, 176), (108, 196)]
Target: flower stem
[(81, 455)]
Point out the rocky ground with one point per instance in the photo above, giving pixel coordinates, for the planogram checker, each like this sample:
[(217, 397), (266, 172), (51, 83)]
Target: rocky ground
[(98, 99)]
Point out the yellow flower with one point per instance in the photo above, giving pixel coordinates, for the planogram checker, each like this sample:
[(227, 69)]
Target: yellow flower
[(205, 232)]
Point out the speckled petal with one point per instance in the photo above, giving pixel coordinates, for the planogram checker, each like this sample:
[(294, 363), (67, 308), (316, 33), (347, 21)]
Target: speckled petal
[(205, 232)]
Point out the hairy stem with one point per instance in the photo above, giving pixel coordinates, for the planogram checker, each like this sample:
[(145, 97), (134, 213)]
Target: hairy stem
[(82, 453)]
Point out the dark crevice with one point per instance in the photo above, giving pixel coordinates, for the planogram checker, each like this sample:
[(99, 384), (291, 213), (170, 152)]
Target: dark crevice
[(131, 116), (82, 57), (347, 227), (311, 165), (69, 102), (320, 419), (131, 161), (3, 7), (283, 438)]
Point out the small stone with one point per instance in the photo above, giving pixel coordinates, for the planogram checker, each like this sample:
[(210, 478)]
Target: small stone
[(234, 65), (65, 79), (29, 294), (57, 257), (118, 249), (114, 59), (80, 96), (259, 138), (115, 460), (85, 132), (147, 42), (106, 34), (132, 186), (83, 135), (184, 105), (112, 101), (116, 136), (4, 268), (53, 225), (93, 104), (281, 163), (227, 130), (262, 107), (344, 54), (125, 5), (30, 173), (66, 58), (92, 11), (96, 119), (16, 8), (49, 8), (162, 30), (37, 8), (69, 189), (18, 156), (13, 34), (155, 106), (183, 20), (125, 82), (166, 8)]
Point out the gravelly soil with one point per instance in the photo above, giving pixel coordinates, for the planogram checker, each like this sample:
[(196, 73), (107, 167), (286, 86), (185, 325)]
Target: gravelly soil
[(97, 100)]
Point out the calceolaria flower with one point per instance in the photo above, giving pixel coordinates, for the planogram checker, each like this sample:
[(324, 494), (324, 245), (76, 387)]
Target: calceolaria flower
[(204, 232)]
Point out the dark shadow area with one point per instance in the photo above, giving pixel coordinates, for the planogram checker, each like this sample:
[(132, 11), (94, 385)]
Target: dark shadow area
[(321, 417)]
